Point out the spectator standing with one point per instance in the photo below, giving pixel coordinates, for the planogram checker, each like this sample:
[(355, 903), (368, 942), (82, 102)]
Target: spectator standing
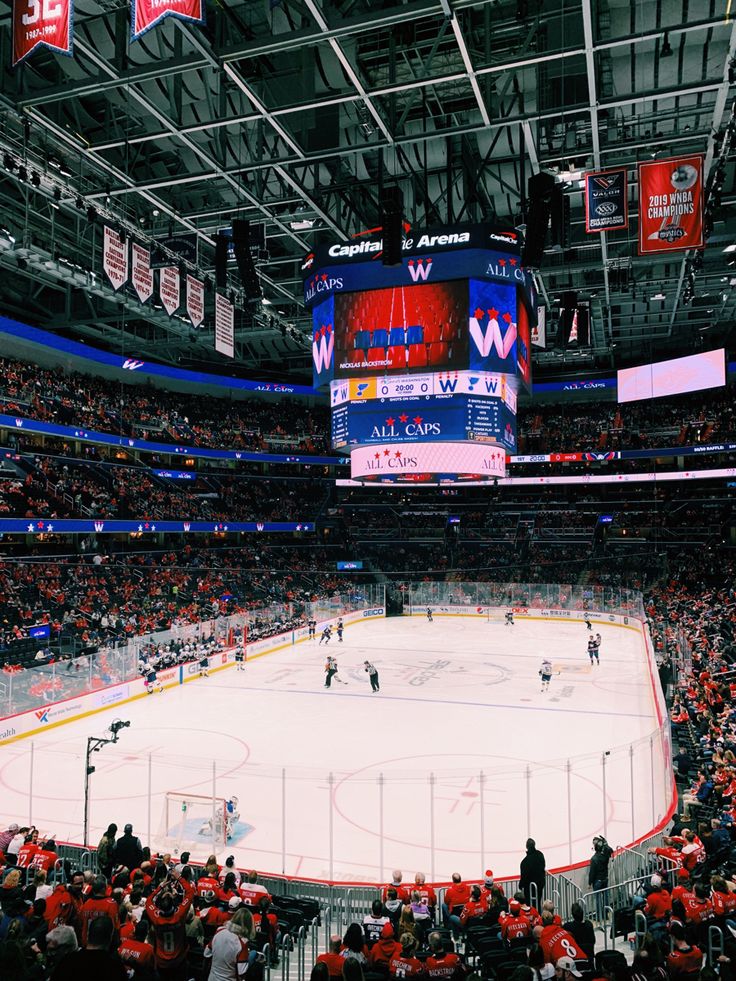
[(228, 951), (532, 870), (106, 850), (128, 850)]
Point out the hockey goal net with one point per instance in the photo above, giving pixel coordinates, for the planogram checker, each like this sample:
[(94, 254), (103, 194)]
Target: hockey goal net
[(193, 822)]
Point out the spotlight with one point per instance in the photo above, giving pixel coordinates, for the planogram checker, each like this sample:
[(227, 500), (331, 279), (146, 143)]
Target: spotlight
[(35, 179), (107, 194), (666, 50), (65, 171), (91, 214)]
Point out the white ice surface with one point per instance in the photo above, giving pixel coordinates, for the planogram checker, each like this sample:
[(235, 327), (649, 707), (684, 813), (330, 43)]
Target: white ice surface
[(459, 697)]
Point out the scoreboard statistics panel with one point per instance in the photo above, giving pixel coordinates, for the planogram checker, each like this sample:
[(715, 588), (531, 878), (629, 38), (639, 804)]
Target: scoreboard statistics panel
[(401, 329)]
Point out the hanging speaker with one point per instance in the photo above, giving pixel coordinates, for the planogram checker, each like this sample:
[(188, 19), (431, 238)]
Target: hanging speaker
[(244, 259), (540, 191), (391, 203), (221, 250)]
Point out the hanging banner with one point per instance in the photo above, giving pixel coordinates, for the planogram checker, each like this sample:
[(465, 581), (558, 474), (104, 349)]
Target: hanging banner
[(38, 23), (539, 330), (147, 13), (671, 204), (195, 300), (115, 258), (141, 275), (224, 326), (606, 200), (169, 288)]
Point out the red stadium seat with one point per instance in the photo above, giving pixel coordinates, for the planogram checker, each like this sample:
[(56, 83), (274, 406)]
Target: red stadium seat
[(432, 333), (417, 356), (438, 353), (397, 356), (356, 357), (449, 332), (377, 354)]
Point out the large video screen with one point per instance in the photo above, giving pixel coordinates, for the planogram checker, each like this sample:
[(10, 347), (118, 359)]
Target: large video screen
[(401, 330), (445, 418), (673, 377)]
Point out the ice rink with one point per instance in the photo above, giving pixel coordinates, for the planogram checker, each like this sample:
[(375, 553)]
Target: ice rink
[(448, 768)]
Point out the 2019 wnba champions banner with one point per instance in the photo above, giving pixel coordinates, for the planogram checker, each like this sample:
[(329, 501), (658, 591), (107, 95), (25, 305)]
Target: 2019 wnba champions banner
[(671, 204), (145, 14)]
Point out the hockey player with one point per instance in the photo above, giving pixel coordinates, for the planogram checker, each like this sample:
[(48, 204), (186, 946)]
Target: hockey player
[(509, 618), (312, 627), (232, 816), (593, 650), (588, 624), (429, 614), (372, 675), (240, 658), (150, 678), (330, 670), (340, 627), (545, 673), (336, 676), (598, 641), (326, 634), (204, 662)]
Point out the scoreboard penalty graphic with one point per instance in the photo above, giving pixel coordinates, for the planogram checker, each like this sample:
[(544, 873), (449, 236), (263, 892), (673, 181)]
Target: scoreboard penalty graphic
[(423, 361)]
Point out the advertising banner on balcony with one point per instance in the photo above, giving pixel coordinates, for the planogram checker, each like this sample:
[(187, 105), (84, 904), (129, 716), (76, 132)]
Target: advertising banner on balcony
[(606, 201), (115, 258), (195, 300), (41, 22), (145, 14), (671, 204), (169, 289), (224, 326), (141, 274)]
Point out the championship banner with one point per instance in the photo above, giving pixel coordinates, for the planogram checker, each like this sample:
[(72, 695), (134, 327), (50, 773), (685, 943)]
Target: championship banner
[(115, 258), (606, 200), (539, 330), (147, 13), (140, 272), (169, 289), (195, 300), (224, 326), (41, 22), (671, 204)]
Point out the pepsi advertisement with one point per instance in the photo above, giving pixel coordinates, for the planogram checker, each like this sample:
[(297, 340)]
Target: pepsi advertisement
[(453, 418)]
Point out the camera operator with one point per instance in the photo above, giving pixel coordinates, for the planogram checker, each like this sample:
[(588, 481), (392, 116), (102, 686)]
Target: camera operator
[(598, 871)]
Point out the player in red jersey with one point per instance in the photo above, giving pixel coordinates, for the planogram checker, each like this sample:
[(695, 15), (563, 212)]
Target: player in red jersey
[(167, 910), (440, 964), (405, 964), (136, 954)]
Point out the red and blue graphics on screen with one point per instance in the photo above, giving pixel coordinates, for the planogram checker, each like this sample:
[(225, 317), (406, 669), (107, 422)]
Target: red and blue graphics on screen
[(323, 342), (492, 326), (401, 329)]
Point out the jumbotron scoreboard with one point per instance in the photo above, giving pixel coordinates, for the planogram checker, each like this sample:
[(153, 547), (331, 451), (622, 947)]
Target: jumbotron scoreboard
[(423, 361)]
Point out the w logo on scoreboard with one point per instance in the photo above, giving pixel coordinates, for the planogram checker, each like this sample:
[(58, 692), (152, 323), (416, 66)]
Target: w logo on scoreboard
[(259, 526), (99, 525), (485, 331), (132, 365), (323, 348), (419, 269), (187, 525)]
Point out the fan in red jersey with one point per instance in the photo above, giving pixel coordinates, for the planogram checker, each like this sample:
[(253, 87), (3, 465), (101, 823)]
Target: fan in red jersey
[(167, 910)]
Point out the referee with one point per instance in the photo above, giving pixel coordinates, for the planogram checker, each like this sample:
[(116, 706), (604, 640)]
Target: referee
[(372, 675)]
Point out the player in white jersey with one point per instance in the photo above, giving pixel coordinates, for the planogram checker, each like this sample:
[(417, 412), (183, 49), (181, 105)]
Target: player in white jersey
[(204, 662), (326, 634), (509, 618), (593, 650), (545, 673), (240, 657), (429, 614), (150, 678)]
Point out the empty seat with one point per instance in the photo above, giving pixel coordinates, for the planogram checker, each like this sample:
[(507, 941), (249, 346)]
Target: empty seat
[(438, 353), (417, 357), (415, 334), (397, 356), (433, 333), (377, 354), (380, 338), (362, 339), (397, 336)]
